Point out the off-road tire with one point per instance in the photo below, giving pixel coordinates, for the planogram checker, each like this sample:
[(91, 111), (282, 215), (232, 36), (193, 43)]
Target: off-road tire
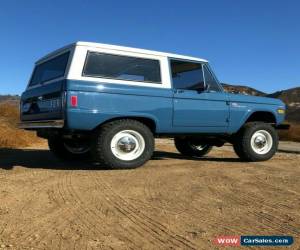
[(186, 146), (101, 146), (242, 145), (58, 148), (237, 149)]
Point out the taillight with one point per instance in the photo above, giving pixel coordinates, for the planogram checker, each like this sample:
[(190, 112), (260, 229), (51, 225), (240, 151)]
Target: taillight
[(74, 101)]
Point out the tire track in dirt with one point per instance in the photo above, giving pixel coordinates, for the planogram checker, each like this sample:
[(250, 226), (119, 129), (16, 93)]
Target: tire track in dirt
[(192, 209), (198, 213), (152, 193), (89, 205), (273, 217), (144, 222), (159, 243), (59, 222), (28, 197), (42, 228), (270, 221), (249, 199), (59, 219), (69, 213), (75, 211), (140, 225), (276, 220)]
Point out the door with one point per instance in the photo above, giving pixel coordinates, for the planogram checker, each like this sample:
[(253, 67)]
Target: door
[(197, 103)]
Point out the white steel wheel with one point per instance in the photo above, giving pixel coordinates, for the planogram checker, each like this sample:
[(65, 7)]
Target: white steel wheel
[(127, 145), (261, 142)]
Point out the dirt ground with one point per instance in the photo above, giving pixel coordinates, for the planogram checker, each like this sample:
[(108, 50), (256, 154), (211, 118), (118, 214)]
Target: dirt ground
[(170, 203)]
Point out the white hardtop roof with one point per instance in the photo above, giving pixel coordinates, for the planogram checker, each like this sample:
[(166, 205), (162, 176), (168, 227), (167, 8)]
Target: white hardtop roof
[(122, 48)]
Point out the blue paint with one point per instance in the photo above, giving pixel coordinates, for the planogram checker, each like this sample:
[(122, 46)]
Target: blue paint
[(98, 103), (242, 106), (193, 109), (171, 111)]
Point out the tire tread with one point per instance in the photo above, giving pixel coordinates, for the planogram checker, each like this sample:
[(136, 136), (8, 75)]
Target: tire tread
[(99, 149)]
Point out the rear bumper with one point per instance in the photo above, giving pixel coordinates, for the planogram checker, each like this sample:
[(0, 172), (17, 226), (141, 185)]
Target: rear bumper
[(42, 124)]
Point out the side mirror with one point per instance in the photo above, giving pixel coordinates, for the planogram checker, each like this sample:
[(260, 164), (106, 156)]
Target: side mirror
[(202, 87)]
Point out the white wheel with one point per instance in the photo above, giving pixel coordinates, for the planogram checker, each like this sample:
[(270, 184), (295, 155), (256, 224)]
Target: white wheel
[(261, 142), (123, 144), (256, 141), (127, 145)]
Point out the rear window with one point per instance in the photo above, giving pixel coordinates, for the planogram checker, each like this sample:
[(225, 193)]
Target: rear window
[(122, 68), (50, 70)]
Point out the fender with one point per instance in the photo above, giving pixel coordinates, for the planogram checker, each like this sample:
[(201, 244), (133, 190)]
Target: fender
[(135, 116), (239, 115)]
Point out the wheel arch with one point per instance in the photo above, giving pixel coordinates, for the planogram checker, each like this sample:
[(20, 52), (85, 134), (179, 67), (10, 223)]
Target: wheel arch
[(261, 116), (149, 122), (266, 116)]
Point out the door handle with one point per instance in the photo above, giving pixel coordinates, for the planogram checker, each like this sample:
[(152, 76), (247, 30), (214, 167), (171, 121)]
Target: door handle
[(178, 91)]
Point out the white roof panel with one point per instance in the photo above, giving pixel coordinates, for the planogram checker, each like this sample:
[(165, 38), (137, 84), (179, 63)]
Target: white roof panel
[(121, 48), (142, 51)]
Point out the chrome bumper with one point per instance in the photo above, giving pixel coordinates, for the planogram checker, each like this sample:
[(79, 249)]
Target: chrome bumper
[(41, 124)]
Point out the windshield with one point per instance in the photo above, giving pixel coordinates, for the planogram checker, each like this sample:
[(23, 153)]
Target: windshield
[(50, 70)]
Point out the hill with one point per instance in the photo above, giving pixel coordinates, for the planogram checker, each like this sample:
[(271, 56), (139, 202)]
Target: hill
[(240, 89), (292, 98), (10, 135)]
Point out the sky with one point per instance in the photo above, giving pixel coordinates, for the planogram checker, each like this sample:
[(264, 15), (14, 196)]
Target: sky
[(254, 43)]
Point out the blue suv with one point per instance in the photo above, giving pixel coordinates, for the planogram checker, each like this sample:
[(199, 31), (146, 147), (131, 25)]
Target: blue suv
[(108, 103)]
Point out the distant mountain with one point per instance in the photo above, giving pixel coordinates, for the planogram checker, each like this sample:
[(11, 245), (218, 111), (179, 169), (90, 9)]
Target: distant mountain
[(240, 89), (291, 97)]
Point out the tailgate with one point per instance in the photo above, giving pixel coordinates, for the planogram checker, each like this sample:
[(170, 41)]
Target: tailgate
[(43, 103)]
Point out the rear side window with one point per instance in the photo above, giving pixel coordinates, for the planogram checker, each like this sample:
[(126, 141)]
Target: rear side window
[(122, 68), (186, 75), (50, 70)]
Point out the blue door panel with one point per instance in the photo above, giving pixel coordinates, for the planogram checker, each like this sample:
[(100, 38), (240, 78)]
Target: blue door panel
[(206, 109)]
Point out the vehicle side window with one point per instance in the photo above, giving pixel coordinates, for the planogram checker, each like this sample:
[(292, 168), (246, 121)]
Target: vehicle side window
[(210, 80), (186, 75), (122, 67)]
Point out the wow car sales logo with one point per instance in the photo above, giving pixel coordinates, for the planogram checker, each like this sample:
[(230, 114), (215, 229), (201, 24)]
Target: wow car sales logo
[(253, 241)]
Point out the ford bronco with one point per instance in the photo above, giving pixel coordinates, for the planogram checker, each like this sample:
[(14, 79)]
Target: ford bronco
[(108, 103)]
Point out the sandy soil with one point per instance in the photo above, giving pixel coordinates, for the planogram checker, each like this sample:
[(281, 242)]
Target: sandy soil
[(171, 203)]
